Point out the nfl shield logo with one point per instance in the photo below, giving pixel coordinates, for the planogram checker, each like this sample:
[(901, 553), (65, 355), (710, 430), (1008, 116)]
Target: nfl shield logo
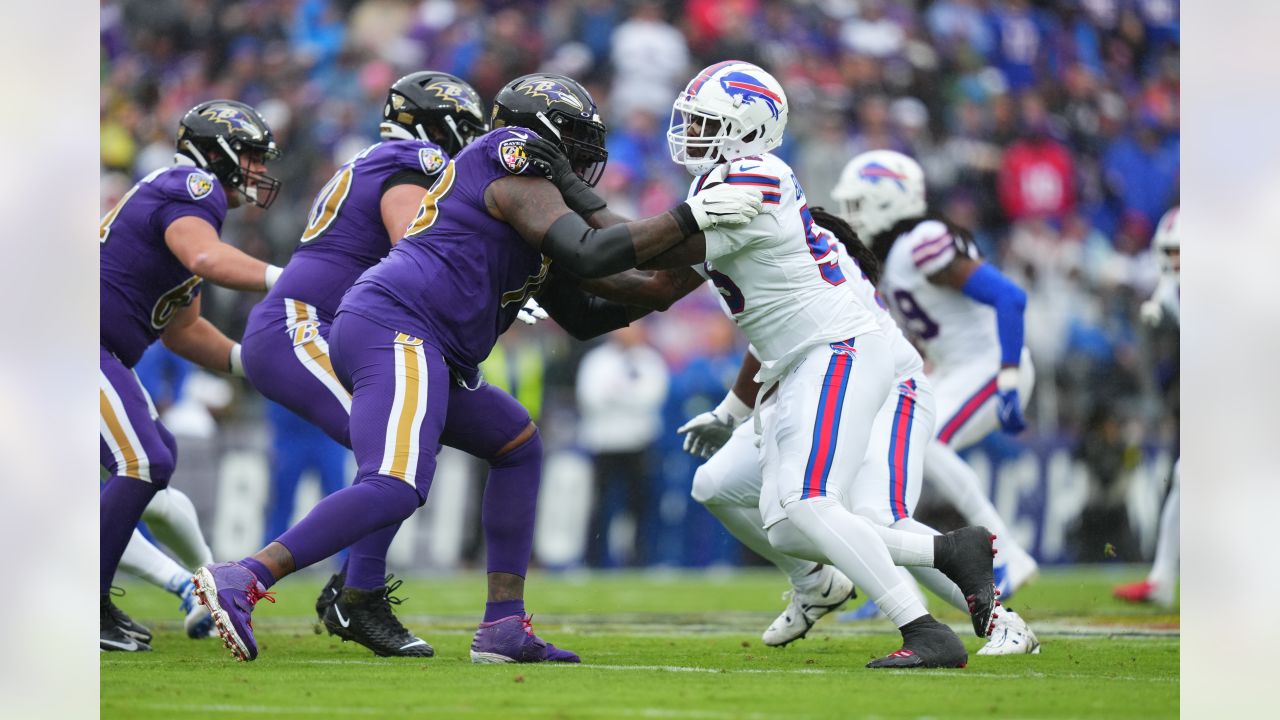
[(513, 156)]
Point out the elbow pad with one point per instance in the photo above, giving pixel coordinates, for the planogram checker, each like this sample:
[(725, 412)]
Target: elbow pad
[(587, 252), (989, 286)]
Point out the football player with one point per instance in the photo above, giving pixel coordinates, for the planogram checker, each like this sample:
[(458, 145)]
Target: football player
[(1160, 586), (781, 278), (410, 334), (966, 316), (889, 479), (356, 218), (156, 246)]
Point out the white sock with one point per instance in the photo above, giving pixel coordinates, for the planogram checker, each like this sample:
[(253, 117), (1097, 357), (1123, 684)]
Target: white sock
[(145, 560), (905, 547), (933, 579), (746, 524), (950, 475), (1164, 571), (172, 519), (853, 546)]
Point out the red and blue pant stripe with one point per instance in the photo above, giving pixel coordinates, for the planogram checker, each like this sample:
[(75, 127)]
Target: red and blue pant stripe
[(899, 449), (827, 425), (967, 411)]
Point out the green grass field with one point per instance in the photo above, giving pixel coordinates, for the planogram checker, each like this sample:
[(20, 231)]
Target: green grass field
[(654, 646)]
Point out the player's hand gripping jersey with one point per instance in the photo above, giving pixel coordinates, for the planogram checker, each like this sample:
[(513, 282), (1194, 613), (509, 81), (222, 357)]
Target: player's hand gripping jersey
[(459, 276), (345, 234), (141, 283), (780, 277), (951, 327)]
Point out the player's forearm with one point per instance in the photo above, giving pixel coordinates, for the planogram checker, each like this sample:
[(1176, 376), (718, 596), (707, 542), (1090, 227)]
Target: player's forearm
[(201, 343), (225, 265), (989, 286), (745, 386), (645, 288), (582, 315), (593, 253)]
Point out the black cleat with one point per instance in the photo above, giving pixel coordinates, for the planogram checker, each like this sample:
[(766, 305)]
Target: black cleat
[(124, 622), (113, 636), (328, 594), (365, 617), (967, 561), (926, 643)]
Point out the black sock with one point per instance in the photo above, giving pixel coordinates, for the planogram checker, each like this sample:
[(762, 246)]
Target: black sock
[(919, 622), (943, 550)]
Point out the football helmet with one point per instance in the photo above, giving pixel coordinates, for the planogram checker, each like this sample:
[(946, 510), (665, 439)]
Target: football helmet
[(436, 107), (877, 189), (728, 111), (1168, 243), (559, 110), (221, 136)]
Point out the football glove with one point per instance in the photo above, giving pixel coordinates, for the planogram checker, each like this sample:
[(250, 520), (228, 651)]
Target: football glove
[(708, 432), (724, 204), (548, 159), (1008, 404), (1151, 312), (531, 313)]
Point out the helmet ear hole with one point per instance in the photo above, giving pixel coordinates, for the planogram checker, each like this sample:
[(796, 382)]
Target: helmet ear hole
[(750, 136)]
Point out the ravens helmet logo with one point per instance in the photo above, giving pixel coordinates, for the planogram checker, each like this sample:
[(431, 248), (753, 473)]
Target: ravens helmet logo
[(553, 92)]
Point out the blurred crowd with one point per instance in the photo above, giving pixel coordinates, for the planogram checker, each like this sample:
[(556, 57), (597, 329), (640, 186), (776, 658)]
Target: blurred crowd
[(1050, 127)]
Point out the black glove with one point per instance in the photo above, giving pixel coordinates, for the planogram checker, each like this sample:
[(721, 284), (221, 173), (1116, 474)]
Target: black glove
[(547, 158)]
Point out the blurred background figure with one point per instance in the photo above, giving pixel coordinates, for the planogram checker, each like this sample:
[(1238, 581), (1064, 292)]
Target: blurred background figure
[(621, 386), (298, 447)]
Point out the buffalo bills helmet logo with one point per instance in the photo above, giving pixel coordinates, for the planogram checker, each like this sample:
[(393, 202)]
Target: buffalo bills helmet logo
[(553, 91), (875, 172), (746, 89)]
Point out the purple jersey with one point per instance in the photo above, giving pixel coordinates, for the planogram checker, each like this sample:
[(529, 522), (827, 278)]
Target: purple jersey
[(459, 276), (345, 234), (142, 285)]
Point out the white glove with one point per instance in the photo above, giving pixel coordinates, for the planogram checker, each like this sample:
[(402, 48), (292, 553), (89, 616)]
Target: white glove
[(725, 204), (531, 313), (708, 432), (1151, 312)]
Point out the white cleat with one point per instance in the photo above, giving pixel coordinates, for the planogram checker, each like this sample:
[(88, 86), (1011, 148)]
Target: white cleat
[(806, 608), (1012, 636)]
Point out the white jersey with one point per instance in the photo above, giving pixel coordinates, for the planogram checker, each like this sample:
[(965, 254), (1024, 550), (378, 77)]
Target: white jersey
[(781, 278), (951, 327), (907, 362)]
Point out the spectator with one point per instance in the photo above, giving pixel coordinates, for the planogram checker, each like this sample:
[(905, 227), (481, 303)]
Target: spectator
[(621, 386), (1141, 170), (1037, 176), (651, 63)]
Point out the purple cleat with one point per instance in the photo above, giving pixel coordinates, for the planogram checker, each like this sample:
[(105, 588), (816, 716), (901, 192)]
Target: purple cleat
[(511, 640), (230, 591)]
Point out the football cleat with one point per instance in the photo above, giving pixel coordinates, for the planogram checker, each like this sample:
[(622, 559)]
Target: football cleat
[(1012, 636), (1144, 592), (806, 608), (969, 566), (230, 590), (926, 643), (112, 636), (365, 617), (329, 593), (511, 640), (126, 624), (198, 622)]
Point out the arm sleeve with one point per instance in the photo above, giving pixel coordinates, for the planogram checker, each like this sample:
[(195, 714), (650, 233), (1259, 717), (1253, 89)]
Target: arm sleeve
[(727, 240), (408, 177), (582, 315), (587, 252), (989, 286)]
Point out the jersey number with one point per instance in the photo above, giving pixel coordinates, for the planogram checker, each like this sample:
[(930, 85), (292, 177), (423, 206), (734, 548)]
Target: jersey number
[(731, 293), (104, 226), (918, 321), (429, 210), (324, 210), (820, 248)]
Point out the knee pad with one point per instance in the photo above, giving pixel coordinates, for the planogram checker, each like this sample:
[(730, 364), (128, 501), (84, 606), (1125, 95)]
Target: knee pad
[(706, 485), (786, 538)]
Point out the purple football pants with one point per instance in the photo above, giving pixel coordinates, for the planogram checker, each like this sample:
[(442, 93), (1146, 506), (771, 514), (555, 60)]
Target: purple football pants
[(138, 454), (404, 406)]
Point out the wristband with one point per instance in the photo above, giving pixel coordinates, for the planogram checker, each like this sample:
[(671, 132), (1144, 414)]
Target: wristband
[(272, 275), (733, 406), (235, 365), (683, 215), (1007, 379)]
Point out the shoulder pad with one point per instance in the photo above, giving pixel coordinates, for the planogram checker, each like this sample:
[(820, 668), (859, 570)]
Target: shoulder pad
[(932, 246)]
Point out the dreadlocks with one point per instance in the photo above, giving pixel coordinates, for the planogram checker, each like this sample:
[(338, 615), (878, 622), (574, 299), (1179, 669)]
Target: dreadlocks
[(857, 249)]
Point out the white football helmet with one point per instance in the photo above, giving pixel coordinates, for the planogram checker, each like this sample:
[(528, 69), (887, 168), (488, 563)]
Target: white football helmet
[(877, 189), (730, 110), (1168, 241)]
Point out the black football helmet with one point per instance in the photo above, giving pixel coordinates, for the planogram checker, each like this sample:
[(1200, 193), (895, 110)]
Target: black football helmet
[(220, 136), (560, 110), (436, 107)]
